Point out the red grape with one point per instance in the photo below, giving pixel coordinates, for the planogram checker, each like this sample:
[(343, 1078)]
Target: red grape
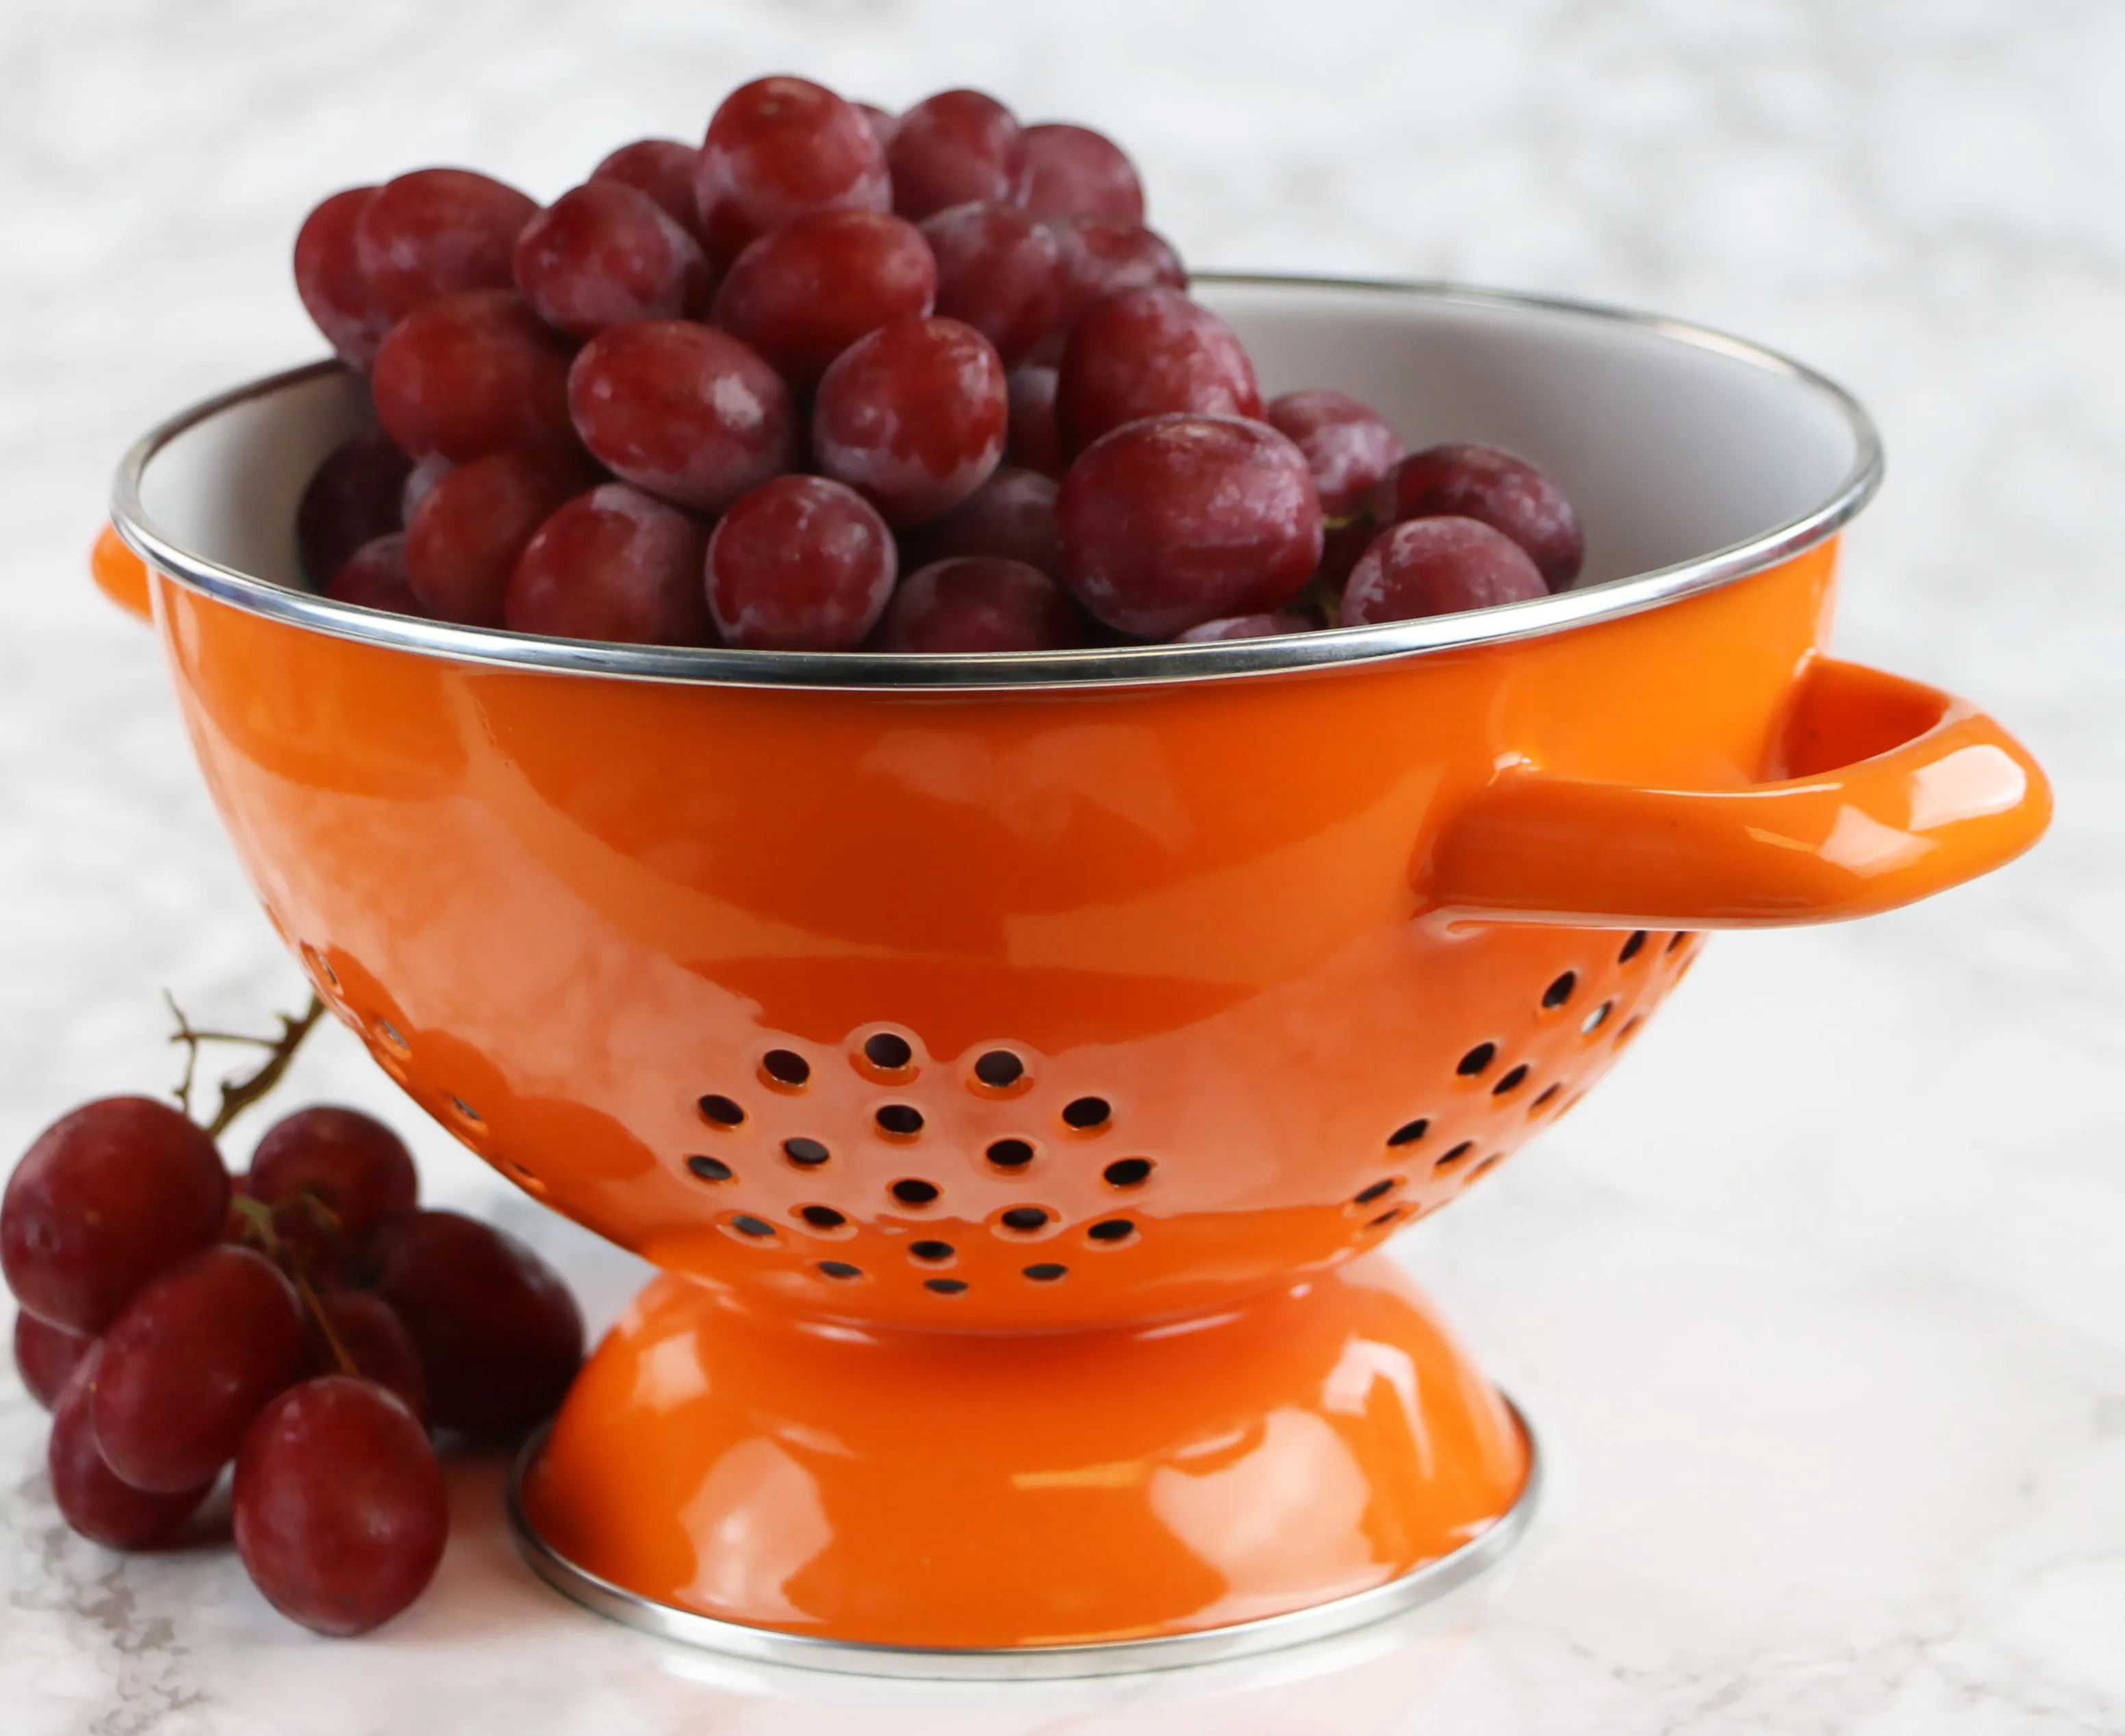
[(376, 1342), (1436, 566), (498, 1335), (472, 373), (954, 147), (328, 278), (419, 480), (90, 1496), (883, 124), (913, 416), (351, 1163), (1012, 516), (684, 411), (778, 148), (978, 603), (45, 1355), (1072, 170), (189, 1363), (1341, 545), (613, 564), (110, 1195), (1243, 627), (1180, 519), (338, 1504), (805, 292), (1507, 493), (374, 576), (464, 542), (1145, 352), (437, 232), (1349, 446), (1033, 443), (605, 253), (998, 270), (1101, 255), (353, 496), (800, 564), (664, 169)]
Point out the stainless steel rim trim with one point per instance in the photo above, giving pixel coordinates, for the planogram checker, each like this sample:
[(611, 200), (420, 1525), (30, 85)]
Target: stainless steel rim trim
[(1423, 1585), (1035, 671)]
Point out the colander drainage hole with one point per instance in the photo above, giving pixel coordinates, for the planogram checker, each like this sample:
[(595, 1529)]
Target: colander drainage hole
[(821, 1218), (1011, 1154), (1455, 1156), (465, 1112), (1548, 1095), (753, 1226), (945, 1287), (902, 1120), (1680, 935), (1410, 1131), (709, 1168), (1560, 991), (1379, 1189), (1595, 1019), (933, 1254), (1112, 1231), (887, 1052), (1384, 1219), (999, 1069), (719, 1111), (840, 1269), (1511, 1082), (808, 1152), (786, 1067), (912, 1192), (1046, 1271), (1630, 1029), (1477, 1059), (1632, 948), (1085, 1113), (1026, 1218), (1487, 1165), (1127, 1171), (388, 1034)]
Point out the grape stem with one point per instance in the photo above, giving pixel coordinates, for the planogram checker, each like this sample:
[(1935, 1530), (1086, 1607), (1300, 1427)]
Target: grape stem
[(258, 1216), (239, 1095)]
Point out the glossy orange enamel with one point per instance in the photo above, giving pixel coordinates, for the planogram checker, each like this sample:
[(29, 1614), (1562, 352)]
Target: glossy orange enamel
[(120, 574)]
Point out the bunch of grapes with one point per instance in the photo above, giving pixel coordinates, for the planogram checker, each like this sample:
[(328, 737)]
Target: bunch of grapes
[(306, 1321), (779, 391)]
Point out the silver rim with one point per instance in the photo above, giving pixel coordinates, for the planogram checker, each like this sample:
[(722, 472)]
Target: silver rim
[(1426, 1584), (1104, 666)]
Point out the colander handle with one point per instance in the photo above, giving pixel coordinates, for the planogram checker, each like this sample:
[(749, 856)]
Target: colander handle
[(1900, 790), (120, 574)]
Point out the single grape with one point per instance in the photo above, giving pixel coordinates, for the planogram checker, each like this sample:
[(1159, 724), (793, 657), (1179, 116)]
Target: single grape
[(953, 148), (1012, 516), (499, 1336), (1491, 486), (350, 1163), (1073, 171), (1349, 446), (979, 603), (664, 169), (45, 1355), (778, 148), (419, 480), (1101, 255), (603, 254), (464, 542), (1178, 520), (800, 564), (374, 576), (913, 416), (882, 124), (437, 232), (685, 412), (90, 1496), (338, 1505), (328, 278), (802, 293), (998, 270), (108, 1197), (1148, 352), (616, 565), (374, 1339), (472, 373), (1243, 627), (1033, 444), (1436, 566), (353, 496), (189, 1363)]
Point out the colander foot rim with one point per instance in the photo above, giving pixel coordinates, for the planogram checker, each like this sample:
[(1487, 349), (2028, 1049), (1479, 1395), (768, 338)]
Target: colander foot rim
[(1420, 1586)]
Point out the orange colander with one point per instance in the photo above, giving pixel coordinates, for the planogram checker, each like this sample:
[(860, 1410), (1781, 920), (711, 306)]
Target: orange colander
[(1015, 1064)]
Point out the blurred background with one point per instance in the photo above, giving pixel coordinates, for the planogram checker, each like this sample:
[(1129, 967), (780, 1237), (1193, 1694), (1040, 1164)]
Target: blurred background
[(1820, 1300)]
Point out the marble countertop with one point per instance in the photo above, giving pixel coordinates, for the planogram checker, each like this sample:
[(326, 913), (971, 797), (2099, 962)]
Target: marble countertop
[(1820, 1303)]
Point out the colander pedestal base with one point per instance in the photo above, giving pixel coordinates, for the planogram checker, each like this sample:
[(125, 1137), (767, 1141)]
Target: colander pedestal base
[(931, 1504)]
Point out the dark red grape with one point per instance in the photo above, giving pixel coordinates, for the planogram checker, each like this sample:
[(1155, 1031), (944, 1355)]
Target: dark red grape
[(90, 1496), (374, 576), (351, 1163), (913, 416), (953, 148), (1507, 493), (1072, 169), (499, 1336), (778, 148), (613, 564), (805, 292), (353, 496), (1148, 352), (883, 124), (684, 411), (978, 603), (437, 232), (1243, 627), (664, 169), (1436, 566), (800, 564), (338, 1505), (1101, 255), (374, 1339), (45, 1355), (1178, 520), (419, 480), (998, 270), (328, 278), (108, 1197), (464, 542), (1012, 516), (472, 373), (1349, 446), (189, 1363), (605, 253), (1033, 444)]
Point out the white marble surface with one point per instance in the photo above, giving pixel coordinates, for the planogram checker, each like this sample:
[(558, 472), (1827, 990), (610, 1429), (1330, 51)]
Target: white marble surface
[(1819, 1302)]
